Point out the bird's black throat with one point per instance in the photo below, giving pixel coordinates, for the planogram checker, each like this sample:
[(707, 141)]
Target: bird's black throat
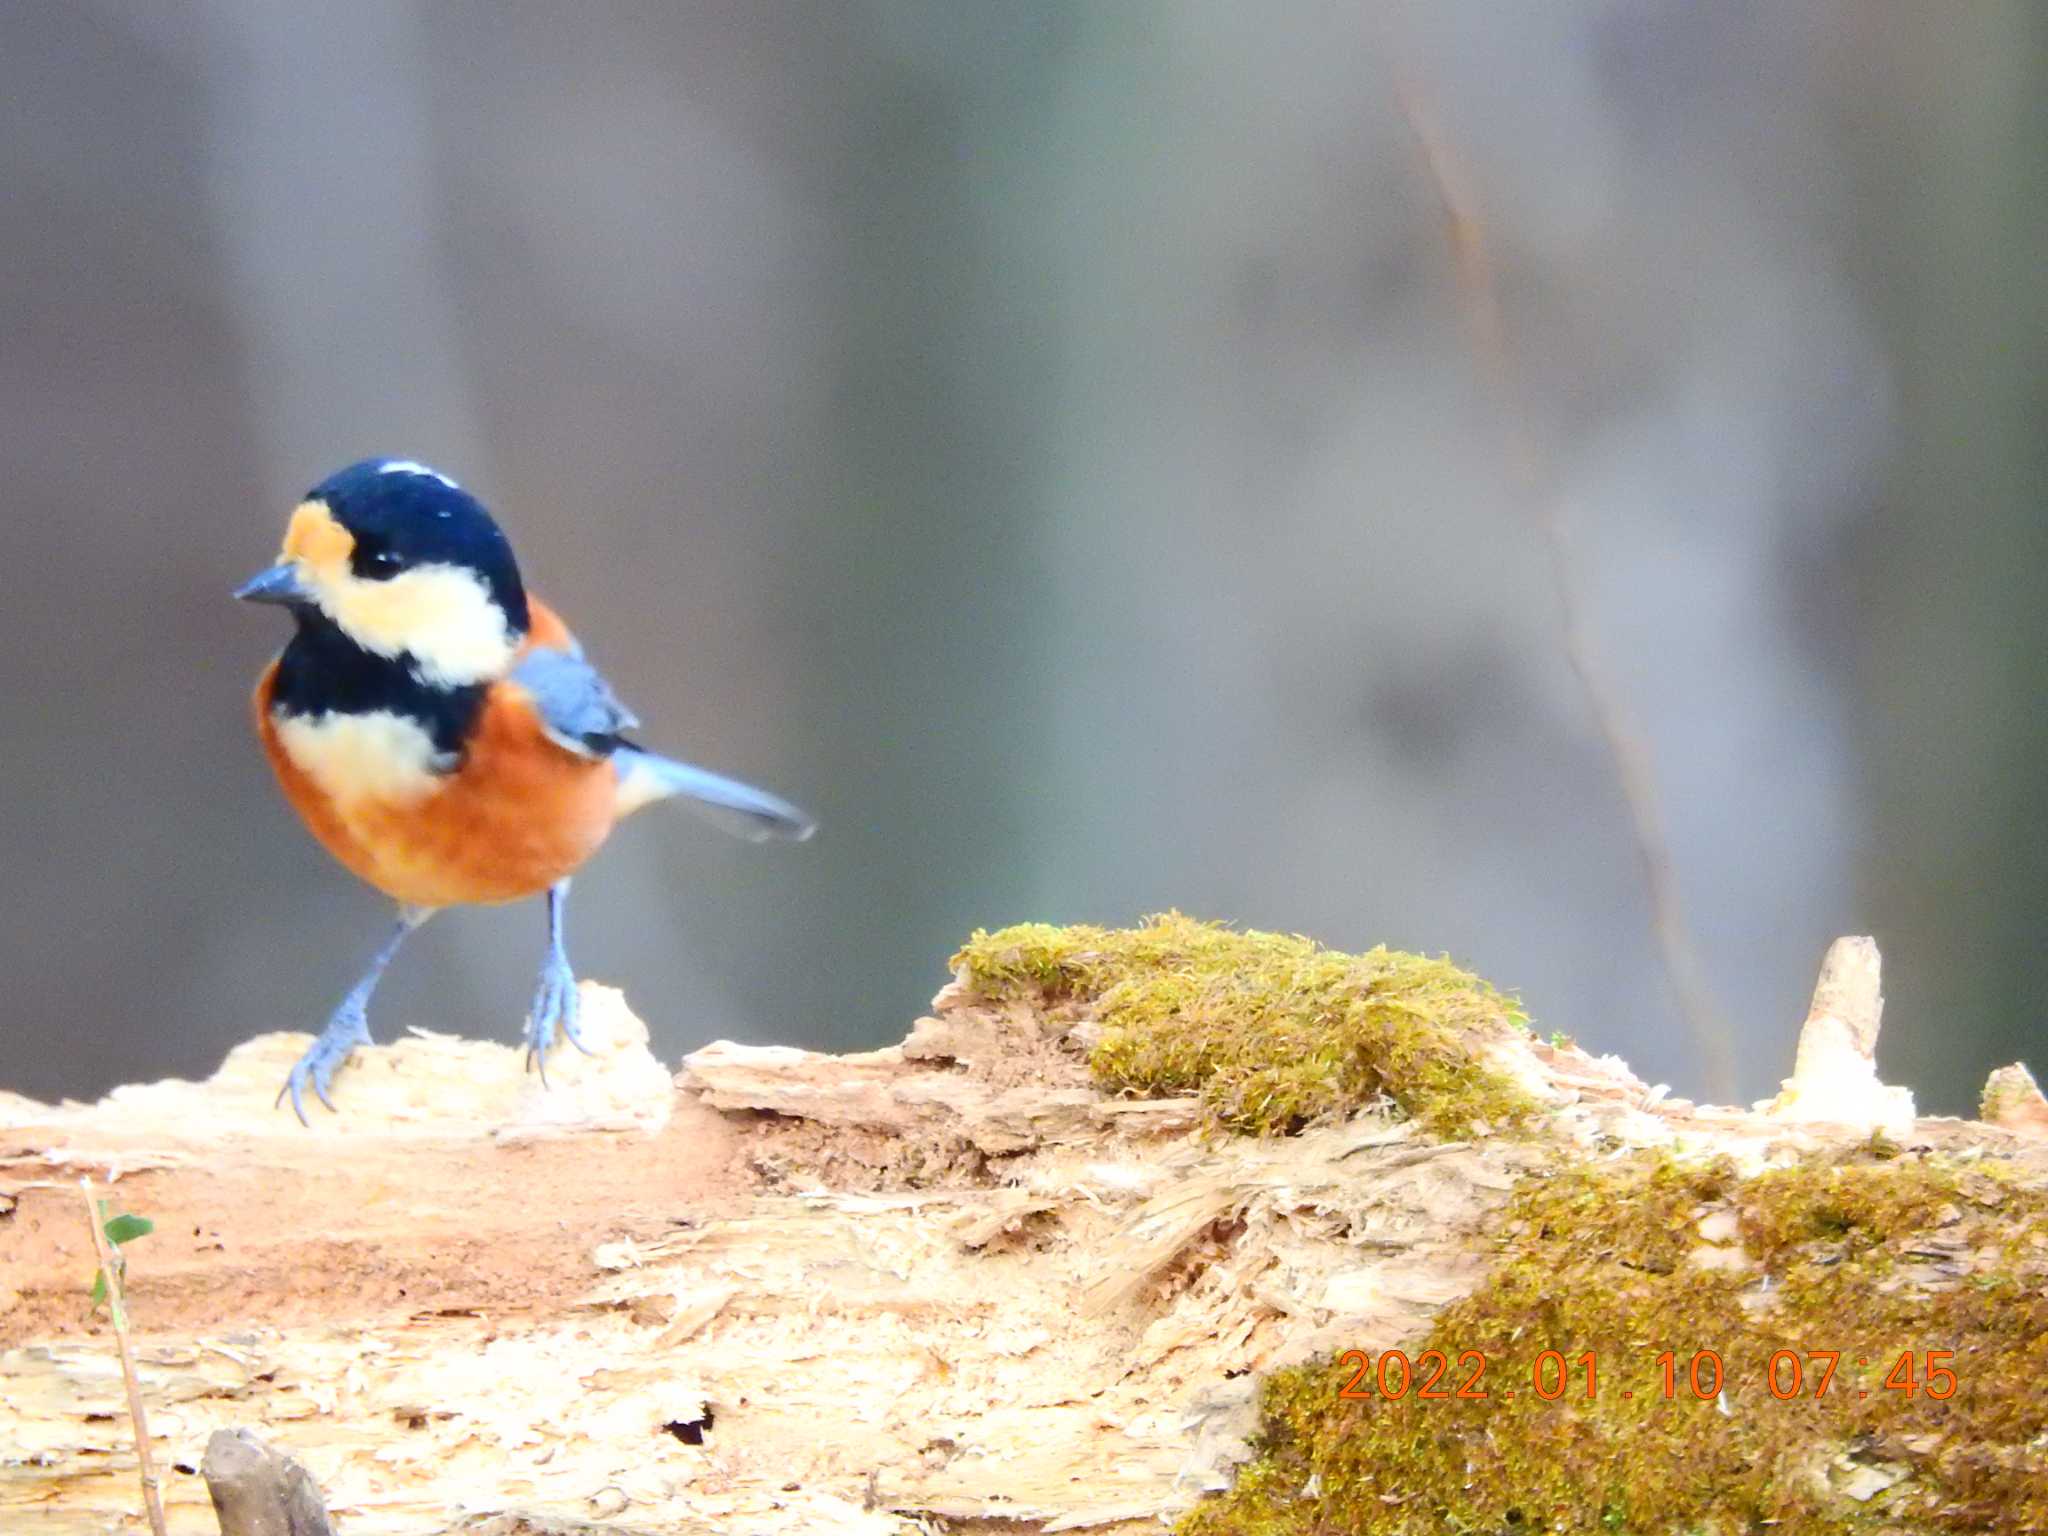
[(323, 671)]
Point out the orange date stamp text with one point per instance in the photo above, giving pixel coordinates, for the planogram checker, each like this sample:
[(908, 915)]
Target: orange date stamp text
[(1434, 1375)]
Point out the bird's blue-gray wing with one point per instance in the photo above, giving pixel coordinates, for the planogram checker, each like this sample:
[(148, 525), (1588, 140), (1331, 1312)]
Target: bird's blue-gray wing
[(578, 709), (576, 705)]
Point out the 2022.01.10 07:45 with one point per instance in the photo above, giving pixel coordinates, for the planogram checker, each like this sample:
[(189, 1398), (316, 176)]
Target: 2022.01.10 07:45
[(1434, 1376)]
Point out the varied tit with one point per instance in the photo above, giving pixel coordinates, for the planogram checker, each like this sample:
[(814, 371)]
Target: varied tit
[(438, 729)]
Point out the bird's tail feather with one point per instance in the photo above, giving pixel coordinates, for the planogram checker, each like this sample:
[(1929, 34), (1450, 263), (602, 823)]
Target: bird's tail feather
[(739, 808)]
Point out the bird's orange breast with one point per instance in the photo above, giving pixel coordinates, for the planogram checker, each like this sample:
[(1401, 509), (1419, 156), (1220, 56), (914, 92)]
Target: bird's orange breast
[(517, 814)]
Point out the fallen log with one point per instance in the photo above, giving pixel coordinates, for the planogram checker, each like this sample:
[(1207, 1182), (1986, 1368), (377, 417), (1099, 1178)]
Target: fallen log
[(957, 1281)]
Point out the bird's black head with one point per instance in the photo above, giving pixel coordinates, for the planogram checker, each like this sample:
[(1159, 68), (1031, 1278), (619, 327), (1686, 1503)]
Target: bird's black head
[(403, 516), (403, 561)]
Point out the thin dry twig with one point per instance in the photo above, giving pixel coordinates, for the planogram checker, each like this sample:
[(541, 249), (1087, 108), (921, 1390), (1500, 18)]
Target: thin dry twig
[(117, 1309), (1540, 491)]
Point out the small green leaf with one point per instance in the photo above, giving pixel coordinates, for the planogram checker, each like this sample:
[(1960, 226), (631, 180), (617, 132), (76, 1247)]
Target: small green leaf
[(99, 1286), (125, 1229)]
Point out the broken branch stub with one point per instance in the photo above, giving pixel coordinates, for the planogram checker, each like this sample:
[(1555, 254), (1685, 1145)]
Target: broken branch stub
[(259, 1491), (1834, 1075)]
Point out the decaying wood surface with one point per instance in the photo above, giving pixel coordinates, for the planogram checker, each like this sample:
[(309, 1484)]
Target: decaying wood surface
[(942, 1284)]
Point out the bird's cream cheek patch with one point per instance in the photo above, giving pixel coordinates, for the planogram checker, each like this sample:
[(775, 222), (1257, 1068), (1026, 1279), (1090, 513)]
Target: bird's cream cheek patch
[(379, 756), (439, 615)]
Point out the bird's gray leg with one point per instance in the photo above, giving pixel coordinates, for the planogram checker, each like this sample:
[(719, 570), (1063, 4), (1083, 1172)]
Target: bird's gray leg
[(348, 1026), (555, 1000)]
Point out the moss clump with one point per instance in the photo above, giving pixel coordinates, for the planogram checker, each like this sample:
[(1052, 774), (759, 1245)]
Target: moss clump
[(1889, 1257), (1271, 1030), (2009, 1091)]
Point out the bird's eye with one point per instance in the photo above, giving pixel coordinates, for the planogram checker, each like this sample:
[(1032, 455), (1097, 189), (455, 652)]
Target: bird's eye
[(378, 564)]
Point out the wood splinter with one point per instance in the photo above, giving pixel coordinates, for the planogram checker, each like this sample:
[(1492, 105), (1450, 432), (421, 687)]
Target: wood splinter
[(1834, 1076)]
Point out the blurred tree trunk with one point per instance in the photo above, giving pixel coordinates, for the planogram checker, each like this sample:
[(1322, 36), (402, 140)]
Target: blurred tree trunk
[(1952, 148)]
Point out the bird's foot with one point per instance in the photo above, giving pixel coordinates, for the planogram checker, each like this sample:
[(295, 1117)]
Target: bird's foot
[(555, 1002), (347, 1029)]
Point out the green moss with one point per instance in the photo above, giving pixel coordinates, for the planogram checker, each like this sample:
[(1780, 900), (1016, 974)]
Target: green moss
[(1271, 1030), (1887, 1257)]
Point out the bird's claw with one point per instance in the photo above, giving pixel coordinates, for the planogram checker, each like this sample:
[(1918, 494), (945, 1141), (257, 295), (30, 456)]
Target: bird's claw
[(348, 1029), (556, 1002)]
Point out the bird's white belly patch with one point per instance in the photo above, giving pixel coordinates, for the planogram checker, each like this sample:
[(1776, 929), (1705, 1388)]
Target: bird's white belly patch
[(378, 756)]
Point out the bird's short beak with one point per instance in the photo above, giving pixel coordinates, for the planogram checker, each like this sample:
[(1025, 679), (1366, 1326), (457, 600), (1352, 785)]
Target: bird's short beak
[(280, 584)]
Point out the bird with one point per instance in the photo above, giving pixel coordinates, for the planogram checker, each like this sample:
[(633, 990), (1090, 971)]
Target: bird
[(441, 733)]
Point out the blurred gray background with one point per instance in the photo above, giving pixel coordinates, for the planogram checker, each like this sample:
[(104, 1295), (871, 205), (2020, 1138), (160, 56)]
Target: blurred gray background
[(1043, 438)]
